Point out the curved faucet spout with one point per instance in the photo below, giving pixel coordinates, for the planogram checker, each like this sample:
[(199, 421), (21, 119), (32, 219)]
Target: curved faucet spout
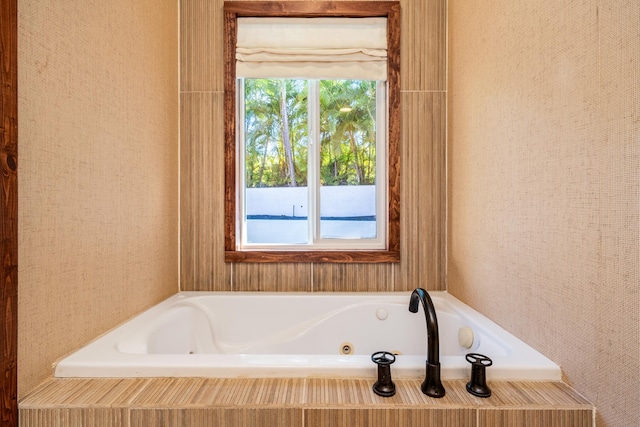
[(433, 341), (432, 386)]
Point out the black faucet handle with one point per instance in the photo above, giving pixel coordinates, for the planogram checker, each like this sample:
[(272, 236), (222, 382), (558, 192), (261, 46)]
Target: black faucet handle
[(384, 386), (477, 358), (478, 383), (383, 358)]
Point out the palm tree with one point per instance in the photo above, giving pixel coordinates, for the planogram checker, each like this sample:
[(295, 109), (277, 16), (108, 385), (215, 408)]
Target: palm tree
[(285, 135), (275, 131), (260, 123), (348, 131)]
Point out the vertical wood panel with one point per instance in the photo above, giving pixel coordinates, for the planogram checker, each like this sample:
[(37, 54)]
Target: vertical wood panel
[(423, 192), (201, 68), (202, 187), (9, 198), (272, 277), (424, 45), (353, 277)]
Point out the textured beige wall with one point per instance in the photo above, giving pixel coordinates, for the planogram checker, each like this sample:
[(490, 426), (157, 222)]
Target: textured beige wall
[(544, 204), (98, 196), (423, 104)]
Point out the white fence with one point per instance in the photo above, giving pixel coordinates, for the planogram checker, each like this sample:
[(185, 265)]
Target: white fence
[(264, 206), (336, 201)]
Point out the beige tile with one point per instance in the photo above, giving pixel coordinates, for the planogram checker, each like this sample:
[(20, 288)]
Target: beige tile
[(222, 417), (424, 417), (169, 392), (535, 418), (270, 392), (358, 392), (84, 392), (522, 394), (269, 401), (74, 417)]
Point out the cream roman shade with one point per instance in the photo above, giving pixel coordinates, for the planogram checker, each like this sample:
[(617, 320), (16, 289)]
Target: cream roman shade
[(312, 48)]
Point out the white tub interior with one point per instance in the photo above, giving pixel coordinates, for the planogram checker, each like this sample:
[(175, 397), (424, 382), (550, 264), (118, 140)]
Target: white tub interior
[(202, 334)]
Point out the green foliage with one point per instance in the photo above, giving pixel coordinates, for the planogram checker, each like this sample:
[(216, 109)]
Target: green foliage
[(347, 138), (266, 161)]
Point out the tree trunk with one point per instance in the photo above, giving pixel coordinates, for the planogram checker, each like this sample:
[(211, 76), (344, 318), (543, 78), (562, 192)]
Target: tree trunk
[(285, 135), (352, 144), (263, 163)]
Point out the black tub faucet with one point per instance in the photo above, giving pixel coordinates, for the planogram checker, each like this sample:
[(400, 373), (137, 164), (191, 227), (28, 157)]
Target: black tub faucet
[(431, 386)]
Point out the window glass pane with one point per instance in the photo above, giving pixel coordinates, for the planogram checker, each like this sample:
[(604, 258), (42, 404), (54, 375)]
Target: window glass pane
[(348, 159), (278, 204), (275, 161)]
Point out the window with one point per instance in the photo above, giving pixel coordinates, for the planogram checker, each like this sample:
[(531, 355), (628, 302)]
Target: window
[(311, 163), (309, 173)]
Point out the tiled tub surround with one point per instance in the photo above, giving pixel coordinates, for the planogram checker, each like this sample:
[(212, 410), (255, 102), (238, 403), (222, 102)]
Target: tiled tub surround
[(234, 334), (308, 402), (312, 401)]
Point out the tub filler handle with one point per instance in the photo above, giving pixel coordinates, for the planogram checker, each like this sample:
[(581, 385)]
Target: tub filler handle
[(478, 383), (431, 386), (385, 386)]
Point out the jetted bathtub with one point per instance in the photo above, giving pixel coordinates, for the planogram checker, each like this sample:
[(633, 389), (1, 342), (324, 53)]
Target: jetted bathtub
[(207, 334)]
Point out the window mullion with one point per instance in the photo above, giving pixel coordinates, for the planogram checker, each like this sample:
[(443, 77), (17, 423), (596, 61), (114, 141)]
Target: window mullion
[(241, 146), (313, 173), (382, 160)]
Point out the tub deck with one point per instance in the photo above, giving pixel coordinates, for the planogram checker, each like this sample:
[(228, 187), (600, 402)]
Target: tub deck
[(296, 402)]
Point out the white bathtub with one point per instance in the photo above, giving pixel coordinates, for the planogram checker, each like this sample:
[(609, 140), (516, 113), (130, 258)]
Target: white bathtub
[(206, 334)]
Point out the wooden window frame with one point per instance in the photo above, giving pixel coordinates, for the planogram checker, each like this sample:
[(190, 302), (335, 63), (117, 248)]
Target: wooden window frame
[(348, 9)]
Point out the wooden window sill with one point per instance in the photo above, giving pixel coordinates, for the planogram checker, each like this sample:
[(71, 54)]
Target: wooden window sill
[(313, 256)]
